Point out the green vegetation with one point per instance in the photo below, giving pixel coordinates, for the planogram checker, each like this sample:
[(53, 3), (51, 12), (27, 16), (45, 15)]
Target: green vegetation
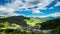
[(15, 31), (51, 24), (7, 25), (4, 17), (25, 25), (33, 21)]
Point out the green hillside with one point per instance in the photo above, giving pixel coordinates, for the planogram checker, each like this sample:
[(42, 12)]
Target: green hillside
[(21, 20), (29, 25)]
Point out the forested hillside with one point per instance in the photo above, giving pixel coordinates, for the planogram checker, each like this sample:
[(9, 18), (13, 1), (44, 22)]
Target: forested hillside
[(14, 19), (51, 24), (29, 25)]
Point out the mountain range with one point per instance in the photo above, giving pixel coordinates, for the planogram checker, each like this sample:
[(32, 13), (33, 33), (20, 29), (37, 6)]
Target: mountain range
[(24, 21)]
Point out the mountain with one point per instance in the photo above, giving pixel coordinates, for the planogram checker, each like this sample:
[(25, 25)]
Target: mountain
[(15, 19), (51, 24), (4, 17), (24, 21)]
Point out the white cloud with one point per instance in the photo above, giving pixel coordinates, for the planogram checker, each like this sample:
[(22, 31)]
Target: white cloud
[(56, 14), (36, 11), (58, 4), (18, 4), (51, 8)]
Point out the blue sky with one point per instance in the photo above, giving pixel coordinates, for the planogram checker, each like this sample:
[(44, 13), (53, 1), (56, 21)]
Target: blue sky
[(31, 8)]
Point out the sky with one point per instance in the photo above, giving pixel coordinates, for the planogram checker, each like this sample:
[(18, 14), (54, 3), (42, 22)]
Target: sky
[(30, 8)]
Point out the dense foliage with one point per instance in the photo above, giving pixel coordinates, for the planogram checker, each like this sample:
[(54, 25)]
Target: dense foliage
[(51, 24)]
